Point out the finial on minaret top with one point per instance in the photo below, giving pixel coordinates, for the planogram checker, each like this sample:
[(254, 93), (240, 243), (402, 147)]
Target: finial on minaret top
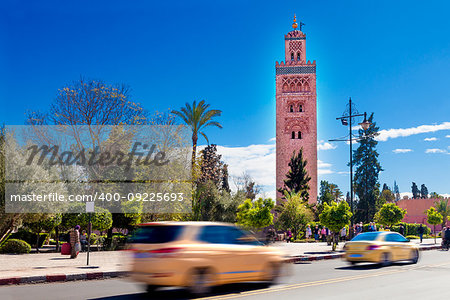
[(295, 25)]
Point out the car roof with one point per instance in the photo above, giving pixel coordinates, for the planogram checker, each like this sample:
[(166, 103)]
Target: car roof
[(185, 223)]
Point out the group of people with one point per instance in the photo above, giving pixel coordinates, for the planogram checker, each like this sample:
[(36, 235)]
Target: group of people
[(319, 234)]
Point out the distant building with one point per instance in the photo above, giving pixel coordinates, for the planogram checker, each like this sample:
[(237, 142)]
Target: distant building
[(416, 210), (296, 111)]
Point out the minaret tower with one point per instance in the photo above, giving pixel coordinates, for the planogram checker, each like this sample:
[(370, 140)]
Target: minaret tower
[(296, 109)]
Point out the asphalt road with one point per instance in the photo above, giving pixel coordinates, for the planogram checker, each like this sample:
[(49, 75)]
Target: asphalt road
[(333, 279)]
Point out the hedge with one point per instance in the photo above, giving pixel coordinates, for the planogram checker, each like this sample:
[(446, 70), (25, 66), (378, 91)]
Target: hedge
[(15, 246), (29, 237)]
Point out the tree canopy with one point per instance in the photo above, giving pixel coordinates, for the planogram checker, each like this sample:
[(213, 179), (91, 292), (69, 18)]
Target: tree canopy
[(390, 214), (297, 177)]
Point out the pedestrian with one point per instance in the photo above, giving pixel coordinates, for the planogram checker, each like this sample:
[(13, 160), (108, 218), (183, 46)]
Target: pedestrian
[(288, 236), (420, 231), (316, 233), (308, 232), (83, 240), (401, 230), (343, 234), (324, 234), (358, 229), (75, 246)]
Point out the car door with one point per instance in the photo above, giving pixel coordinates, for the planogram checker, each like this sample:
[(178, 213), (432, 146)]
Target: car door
[(399, 249), (228, 257)]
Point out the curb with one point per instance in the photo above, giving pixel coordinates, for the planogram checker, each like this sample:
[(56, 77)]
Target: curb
[(295, 259), (61, 277)]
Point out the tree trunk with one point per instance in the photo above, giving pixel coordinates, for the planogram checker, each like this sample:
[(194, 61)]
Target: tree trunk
[(57, 238), (434, 233), (37, 241)]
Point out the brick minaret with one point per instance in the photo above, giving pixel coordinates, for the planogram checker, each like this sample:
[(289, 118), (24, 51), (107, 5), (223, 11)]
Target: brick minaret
[(296, 109)]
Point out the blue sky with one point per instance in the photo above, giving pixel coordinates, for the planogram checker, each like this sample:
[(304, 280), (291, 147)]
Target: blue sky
[(391, 57)]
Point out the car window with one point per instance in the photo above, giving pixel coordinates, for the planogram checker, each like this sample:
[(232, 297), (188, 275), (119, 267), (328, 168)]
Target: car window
[(367, 236), (156, 234), (393, 237), (224, 235)]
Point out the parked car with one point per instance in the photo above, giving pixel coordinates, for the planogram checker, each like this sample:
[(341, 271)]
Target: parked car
[(380, 247), (200, 255)]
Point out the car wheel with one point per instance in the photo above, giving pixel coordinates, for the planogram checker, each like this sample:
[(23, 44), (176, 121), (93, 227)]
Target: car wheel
[(272, 273), (151, 289), (386, 259), (414, 256), (353, 263), (201, 282)]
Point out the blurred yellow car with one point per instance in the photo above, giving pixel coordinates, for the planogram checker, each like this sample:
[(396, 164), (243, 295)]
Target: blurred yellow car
[(380, 247), (200, 255)]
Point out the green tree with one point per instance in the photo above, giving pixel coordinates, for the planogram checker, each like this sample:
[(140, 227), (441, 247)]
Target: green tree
[(443, 207), (423, 191), (365, 159), (297, 177), (435, 195), (386, 195), (293, 214), (335, 217), (415, 191), (198, 117), (396, 191), (390, 214), (256, 214), (434, 218), (43, 222)]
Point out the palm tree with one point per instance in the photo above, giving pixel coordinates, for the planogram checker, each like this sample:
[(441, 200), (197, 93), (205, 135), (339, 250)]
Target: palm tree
[(443, 207), (198, 117)]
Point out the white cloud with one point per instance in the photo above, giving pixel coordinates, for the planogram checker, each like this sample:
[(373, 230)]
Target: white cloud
[(406, 194), (256, 160), (386, 134), (396, 151), (435, 150), (323, 168), (448, 136), (273, 139), (430, 139), (325, 146)]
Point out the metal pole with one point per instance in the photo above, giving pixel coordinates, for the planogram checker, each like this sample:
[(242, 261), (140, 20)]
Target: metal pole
[(351, 161), (89, 239)]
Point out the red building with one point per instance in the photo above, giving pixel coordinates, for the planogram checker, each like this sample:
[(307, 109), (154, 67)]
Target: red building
[(416, 210), (296, 114)]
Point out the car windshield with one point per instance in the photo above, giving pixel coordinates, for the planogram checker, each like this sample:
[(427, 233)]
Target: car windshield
[(156, 234), (367, 236)]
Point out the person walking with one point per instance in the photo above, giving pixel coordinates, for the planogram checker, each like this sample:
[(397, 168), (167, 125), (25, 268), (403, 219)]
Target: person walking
[(420, 231), (343, 234), (401, 230), (308, 232), (83, 240), (288, 236), (316, 233), (324, 234), (75, 246)]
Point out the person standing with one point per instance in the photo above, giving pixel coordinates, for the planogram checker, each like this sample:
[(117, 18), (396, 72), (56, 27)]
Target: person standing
[(83, 240), (316, 233), (401, 230), (308, 232), (420, 231), (343, 233), (75, 246)]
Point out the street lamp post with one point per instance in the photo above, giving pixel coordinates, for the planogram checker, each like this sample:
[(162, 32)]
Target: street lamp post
[(346, 120)]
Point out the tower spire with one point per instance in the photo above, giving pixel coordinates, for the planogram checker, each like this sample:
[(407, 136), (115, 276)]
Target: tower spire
[(295, 25)]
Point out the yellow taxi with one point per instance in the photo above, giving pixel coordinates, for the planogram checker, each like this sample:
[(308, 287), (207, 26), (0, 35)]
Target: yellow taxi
[(200, 255), (382, 247)]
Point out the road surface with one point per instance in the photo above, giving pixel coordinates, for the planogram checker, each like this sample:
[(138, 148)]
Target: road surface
[(332, 279)]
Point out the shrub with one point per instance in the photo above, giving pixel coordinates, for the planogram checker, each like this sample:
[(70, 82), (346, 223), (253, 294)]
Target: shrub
[(15, 246), (412, 237), (29, 237)]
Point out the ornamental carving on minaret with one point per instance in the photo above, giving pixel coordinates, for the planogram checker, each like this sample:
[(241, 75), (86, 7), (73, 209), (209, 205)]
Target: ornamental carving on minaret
[(295, 124)]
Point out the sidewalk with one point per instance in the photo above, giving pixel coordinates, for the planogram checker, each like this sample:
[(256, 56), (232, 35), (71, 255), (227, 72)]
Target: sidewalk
[(48, 267), (51, 267)]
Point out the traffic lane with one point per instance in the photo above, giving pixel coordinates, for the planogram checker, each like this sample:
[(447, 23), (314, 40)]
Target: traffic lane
[(305, 276), (428, 279)]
